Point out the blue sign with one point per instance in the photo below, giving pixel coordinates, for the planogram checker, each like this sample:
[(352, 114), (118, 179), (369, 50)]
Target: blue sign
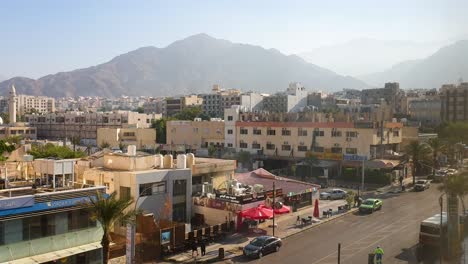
[(45, 206), (16, 202), (354, 157)]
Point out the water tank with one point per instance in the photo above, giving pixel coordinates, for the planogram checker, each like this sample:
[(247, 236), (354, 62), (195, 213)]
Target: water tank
[(190, 160), (131, 150), (181, 161), (158, 161), (168, 160)]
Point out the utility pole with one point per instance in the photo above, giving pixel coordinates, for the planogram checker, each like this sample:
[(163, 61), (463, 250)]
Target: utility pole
[(339, 253), (362, 176), (441, 201), (274, 198)]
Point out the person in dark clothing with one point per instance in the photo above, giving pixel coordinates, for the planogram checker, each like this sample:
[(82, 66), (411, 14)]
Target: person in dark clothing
[(203, 247), (401, 180), (194, 248), (356, 200)]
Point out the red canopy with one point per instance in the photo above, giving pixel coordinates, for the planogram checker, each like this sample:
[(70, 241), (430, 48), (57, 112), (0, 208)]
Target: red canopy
[(259, 212), (283, 210)]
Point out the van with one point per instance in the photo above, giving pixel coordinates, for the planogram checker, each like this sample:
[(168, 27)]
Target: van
[(430, 232)]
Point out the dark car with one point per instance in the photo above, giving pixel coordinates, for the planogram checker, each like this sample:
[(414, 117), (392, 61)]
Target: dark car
[(261, 246)]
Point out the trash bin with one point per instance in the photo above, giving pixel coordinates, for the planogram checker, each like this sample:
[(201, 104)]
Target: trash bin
[(221, 253), (371, 258)]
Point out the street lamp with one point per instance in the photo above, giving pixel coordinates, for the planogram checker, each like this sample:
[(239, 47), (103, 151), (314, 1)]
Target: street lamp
[(441, 203)]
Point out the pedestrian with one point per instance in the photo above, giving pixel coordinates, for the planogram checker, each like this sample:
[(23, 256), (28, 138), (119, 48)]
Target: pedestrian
[(298, 220), (356, 199), (401, 180), (194, 248), (378, 252), (202, 247)]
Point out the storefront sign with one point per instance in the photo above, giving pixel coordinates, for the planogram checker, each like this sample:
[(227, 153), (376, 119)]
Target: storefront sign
[(16, 202), (241, 199), (279, 193), (354, 157), (217, 204), (325, 155)]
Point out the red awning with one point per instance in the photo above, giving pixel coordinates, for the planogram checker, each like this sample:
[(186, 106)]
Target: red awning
[(283, 210), (259, 212)]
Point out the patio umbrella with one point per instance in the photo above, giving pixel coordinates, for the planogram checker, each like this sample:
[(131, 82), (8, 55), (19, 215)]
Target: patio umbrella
[(283, 210), (316, 209), (258, 212)]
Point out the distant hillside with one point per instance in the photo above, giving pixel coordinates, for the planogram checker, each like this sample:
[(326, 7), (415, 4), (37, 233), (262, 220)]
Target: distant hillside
[(447, 65), (190, 65)]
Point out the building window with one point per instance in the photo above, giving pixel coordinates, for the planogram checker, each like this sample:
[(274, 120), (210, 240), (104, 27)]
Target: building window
[(270, 146), (124, 192), (243, 145), (351, 134), (271, 132), (230, 118), (229, 145), (285, 132), (229, 131), (286, 147), (2, 131), (179, 188), (301, 132), (351, 150), (129, 134), (336, 133), (318, 149), (244, 131), (302, 148), (319, 133), (396, 133), (257, 131), (152, 188), (337, 150), (256, 145)]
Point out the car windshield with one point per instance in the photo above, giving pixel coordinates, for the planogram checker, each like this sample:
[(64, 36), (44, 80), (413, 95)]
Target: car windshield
[(368, 202), (420, 182), (258, 242)]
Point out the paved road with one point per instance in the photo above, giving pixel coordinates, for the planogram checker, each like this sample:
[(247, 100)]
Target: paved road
[(395, 228)]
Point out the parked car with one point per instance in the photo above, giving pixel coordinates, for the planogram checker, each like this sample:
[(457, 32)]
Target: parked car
[(333, 194), (451, 172), (262, 245), (370, 205), (422, 185)]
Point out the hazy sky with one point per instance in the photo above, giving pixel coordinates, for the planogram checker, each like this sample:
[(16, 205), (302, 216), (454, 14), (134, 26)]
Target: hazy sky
[(42, 37)]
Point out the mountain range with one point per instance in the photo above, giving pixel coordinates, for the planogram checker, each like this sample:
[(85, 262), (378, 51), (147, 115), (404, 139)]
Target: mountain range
[(447, 65), (191, 65)]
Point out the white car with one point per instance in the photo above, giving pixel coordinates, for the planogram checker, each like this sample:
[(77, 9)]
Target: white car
[(422, 185), (333, 194)]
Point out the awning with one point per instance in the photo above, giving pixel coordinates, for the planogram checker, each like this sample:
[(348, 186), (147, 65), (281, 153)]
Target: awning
[(51, 256)]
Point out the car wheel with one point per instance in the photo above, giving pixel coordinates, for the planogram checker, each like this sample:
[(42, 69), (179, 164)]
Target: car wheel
[(277, 248), (260, 255), (329, 198)]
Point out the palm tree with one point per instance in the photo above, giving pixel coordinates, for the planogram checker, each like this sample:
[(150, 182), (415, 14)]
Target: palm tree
[(104, 145), (417, 152), (108, 211), (456, 185), (437, 147)]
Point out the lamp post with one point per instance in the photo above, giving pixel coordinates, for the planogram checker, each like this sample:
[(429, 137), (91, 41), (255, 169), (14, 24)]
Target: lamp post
[(441, 203), (274, 197)]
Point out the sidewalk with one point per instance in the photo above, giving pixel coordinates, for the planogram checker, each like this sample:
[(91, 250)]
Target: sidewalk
[(285, 227)]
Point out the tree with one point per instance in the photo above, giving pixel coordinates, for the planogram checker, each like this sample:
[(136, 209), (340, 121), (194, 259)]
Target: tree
[(456, 185), (140, 110), (104, 145), (14, 140), (108, 211), (75, 140), (454, 132), (50, 150), (436, 147), (310, 161), (122, 146), (211, 150), (245, 158), (189, 113), (160, 126), (417, 152), (350, 198)]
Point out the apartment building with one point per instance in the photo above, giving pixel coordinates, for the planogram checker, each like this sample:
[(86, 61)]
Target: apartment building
[(324, 140), (154, 106), (391, 93), (142, 138), (454, 100), (175, 105), (195, 134), (427, 111), (42, 225), (293, 100), (85, 125)]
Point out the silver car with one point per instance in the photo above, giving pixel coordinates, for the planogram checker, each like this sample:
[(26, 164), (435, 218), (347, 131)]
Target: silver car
[(333, 194)]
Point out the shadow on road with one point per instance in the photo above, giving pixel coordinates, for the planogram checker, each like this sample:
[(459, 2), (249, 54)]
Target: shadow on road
[(414, 256), (242, 259)]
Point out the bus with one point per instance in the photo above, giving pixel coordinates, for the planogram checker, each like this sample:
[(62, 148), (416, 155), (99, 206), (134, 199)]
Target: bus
[(430, 231)]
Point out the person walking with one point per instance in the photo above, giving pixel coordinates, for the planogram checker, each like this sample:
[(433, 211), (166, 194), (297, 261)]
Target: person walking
[(378, 252), (356, 199), (194, 249), (203, 247)]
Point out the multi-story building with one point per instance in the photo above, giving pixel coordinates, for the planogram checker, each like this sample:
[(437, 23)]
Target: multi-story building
[(231, 116), (154, 106), (293, 100), (34, 104), (42, 225), (85, 125), (454, 100), (142, 138), (173, 106), (324, 140), (391, 93), (195, 134), (426, 110)]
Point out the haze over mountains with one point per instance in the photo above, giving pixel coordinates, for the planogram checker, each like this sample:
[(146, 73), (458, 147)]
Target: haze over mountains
[(447, 65), (191, 65)]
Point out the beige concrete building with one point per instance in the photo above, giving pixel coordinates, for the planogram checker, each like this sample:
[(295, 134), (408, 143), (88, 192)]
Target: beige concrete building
[(40, 104), (454, 102), (142, 138), (324, 140), (85, 125), (195, 134), (173, 106)]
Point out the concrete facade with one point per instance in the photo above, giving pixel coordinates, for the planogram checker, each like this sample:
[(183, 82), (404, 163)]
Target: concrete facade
[(391, 93), (40, 104), (195, 134), (454, 100), (293, 100), (142, 138), (426, 110)]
